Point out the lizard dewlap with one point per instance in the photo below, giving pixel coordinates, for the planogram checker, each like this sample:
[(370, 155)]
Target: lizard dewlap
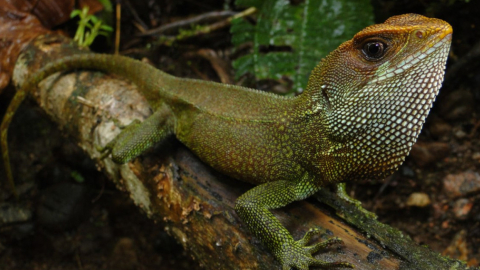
[(362, 111)]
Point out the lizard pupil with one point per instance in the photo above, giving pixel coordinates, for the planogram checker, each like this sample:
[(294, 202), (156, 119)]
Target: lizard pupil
[(374, 50)]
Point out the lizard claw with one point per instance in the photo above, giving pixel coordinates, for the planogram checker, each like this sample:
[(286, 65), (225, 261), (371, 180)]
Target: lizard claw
[(298, 255)]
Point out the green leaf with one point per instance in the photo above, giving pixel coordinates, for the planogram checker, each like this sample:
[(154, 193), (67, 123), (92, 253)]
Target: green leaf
[(89, 27), (107, 5), (77, 177), (106, 28), (75, 12), (94, 19), (289, 40)]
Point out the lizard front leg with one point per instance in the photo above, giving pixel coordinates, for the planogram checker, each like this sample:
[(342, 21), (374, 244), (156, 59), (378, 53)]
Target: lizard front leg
[(253, 207), (140, 136)]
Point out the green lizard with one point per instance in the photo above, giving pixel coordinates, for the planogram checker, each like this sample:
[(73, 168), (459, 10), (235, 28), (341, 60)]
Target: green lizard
[(361, 112)]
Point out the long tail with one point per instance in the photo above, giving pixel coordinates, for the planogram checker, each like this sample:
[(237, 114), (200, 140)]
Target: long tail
[(126, 67), (7, 119)]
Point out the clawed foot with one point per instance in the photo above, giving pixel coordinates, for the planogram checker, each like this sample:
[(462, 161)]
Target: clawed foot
[(298, 255), (126, 141), (106, 150)]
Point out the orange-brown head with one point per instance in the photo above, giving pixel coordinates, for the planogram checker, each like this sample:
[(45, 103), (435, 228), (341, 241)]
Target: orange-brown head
[(375, 92)]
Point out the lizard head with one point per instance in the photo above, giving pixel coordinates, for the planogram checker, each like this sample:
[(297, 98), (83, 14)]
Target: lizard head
[(376, 90)]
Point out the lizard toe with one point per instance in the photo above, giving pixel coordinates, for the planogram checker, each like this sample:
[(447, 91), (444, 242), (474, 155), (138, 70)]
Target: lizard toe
[(308, 235), (322, 245), (296, 255)]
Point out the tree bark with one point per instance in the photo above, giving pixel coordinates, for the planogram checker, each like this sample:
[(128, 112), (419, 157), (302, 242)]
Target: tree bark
[(190, 200)]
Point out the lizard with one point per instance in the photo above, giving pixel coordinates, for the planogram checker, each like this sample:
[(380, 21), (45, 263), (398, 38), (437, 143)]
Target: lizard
[(362, 110)]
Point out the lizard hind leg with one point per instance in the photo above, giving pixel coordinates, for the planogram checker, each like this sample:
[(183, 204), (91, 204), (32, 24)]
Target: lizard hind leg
[(137, 137)]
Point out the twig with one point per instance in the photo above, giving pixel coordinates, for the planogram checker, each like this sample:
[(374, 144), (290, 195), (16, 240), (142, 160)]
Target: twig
[(117, 32), (205, 29), (179, 24), (220, 66), (86, 102), (139, 22)]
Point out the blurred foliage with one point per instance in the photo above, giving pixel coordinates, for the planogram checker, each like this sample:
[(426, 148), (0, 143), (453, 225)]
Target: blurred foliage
[(89, 27), (290, 37)]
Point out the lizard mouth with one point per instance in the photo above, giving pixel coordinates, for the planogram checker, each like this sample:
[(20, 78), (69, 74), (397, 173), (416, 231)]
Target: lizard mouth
[(444, 35), (437, 43), (447, 32)]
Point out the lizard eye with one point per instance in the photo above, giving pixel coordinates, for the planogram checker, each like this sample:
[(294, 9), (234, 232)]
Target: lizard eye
[(374, 50)]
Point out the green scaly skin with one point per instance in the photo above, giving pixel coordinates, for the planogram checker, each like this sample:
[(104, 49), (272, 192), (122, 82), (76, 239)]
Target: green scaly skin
[(362, 111)]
